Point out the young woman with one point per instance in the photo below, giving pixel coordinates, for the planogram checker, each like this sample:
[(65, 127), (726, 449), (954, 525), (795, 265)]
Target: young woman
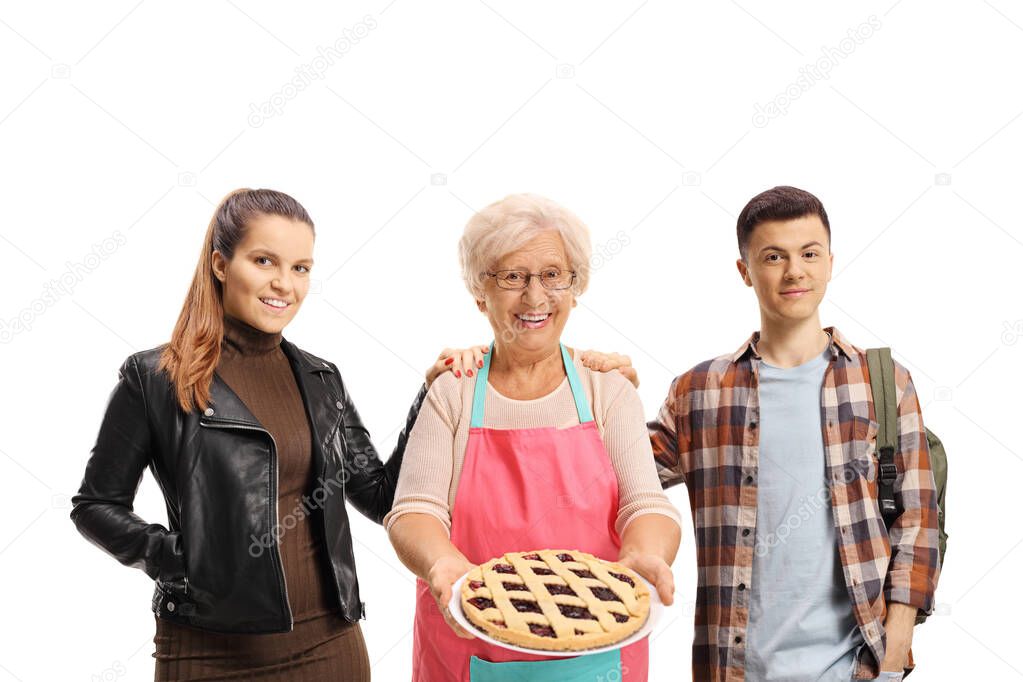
[(255, 444)]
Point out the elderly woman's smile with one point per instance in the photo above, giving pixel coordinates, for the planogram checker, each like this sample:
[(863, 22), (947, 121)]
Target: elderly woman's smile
[(533, 320)]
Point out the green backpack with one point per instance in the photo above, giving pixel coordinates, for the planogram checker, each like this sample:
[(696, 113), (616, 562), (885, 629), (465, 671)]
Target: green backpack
[(882, 386)]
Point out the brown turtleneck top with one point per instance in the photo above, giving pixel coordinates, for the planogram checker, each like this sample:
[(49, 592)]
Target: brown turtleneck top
[(255, 367)]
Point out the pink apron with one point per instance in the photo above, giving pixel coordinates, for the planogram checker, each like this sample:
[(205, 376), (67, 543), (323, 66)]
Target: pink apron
[(523, 490)]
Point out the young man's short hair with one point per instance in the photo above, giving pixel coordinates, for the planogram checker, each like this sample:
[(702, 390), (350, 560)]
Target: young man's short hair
[(777, 203)]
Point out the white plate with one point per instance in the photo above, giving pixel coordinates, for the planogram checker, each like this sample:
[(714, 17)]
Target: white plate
[(656, 608)]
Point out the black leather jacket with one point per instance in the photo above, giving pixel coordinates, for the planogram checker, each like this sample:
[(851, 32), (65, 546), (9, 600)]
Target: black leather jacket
[(219, 566)]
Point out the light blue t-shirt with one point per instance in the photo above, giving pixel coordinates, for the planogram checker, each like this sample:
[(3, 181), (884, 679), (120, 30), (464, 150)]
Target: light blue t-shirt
[(801, 622)]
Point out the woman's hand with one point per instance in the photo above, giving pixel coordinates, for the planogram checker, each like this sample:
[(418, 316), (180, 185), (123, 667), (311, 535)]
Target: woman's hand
[(461, 361), (444, 572), (605, 362), (656, 570)]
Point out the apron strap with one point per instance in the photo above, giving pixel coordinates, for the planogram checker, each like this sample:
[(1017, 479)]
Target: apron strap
[(582, 406), (479, 396)]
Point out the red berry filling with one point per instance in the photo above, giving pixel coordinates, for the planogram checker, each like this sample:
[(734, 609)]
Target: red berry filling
[(482, 603), (576, 612), (475, 584), (624, 579), (543, 571), (561, 589), (524, 606), (515, 586), (531, 557), (621, 617), (504, 568), (565, 557), (604, 594), (583, 573), (542, 630)]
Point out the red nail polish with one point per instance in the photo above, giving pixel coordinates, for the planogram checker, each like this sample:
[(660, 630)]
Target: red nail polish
[(458, 374), (481, 364), (449, 361), (468, 372)]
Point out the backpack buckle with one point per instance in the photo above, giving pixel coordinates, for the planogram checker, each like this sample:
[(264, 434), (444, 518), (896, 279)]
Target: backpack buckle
[(888, 469), (888, 507)]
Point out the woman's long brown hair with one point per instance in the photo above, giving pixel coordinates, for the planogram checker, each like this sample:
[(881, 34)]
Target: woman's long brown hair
[(194, 349)]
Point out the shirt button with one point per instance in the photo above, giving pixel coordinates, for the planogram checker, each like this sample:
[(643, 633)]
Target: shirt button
[(170, 606), (738, 640), (753, 424), (742, 586), (339, 405), (745, 532), (208, 412), (749, 479)]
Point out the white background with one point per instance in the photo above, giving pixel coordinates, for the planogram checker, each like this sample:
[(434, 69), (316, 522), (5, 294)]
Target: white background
[(127, 122)]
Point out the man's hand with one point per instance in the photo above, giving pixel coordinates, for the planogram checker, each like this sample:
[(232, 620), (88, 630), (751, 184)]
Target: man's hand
[(605, 362), (898, 625), (463, 362)]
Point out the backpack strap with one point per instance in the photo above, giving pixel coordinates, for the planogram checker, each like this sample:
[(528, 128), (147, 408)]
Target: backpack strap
[(882, 387)]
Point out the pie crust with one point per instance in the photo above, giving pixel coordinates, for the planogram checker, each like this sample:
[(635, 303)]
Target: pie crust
[(555, 600)]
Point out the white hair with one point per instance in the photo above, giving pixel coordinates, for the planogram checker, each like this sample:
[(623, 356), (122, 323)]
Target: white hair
[(506, 225)]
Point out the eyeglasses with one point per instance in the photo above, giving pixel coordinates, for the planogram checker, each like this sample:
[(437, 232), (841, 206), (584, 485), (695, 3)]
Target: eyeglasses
[(551, 278)]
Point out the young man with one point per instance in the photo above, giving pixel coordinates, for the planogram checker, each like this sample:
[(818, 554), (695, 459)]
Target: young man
[(798, 577)]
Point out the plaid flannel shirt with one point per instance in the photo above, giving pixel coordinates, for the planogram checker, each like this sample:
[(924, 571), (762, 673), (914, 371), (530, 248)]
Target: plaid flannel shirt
[(706, 436)]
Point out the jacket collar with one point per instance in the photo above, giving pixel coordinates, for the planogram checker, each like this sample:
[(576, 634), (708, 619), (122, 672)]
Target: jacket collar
[(322, 405), (304, 361), (837, 345)]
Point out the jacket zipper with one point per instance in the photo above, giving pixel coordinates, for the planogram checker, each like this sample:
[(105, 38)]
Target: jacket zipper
[(323, 521), (273, 497)]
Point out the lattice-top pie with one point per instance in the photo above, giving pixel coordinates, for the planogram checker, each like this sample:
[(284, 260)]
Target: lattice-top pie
[(555, 600)]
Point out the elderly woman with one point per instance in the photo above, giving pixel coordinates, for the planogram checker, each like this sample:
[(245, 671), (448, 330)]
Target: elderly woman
[(517, 460)]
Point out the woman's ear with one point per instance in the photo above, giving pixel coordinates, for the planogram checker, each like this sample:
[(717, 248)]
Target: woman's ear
[(481, 304), (219, 266)]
